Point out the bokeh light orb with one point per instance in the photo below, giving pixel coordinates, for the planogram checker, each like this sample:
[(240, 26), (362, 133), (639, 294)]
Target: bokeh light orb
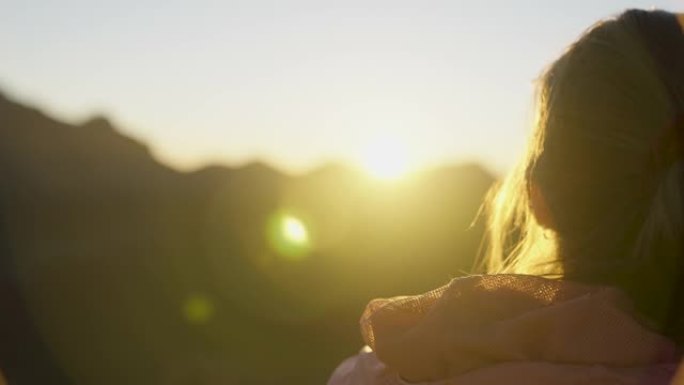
[(198, 309), (289, 236), (294, 230)]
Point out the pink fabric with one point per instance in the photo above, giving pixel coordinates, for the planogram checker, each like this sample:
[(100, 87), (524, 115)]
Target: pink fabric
[(509, 329)]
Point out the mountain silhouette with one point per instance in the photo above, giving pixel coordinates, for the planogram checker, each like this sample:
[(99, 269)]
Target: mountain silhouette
[(118, 269)]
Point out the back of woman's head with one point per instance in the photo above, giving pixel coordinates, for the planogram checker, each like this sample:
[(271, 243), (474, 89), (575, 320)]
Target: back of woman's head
[(604, 167)]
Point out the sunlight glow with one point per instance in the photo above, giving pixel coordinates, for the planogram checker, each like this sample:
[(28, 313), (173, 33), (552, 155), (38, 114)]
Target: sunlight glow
[(386, 159)]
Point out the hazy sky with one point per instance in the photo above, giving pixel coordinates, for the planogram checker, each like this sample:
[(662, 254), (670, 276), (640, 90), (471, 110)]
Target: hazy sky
[(296, 83)]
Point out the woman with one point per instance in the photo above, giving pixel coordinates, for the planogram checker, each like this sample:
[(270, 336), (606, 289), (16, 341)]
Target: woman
[(585, 237)]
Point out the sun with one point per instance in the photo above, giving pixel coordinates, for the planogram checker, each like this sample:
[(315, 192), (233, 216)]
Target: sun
[(386, 159)]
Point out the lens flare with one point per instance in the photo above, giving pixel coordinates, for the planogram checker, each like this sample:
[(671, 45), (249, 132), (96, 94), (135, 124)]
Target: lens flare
[(289, 236), (198, 309), (294, 230)]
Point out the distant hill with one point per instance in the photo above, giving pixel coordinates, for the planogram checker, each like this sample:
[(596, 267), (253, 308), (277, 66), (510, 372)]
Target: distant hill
[(117, 269)]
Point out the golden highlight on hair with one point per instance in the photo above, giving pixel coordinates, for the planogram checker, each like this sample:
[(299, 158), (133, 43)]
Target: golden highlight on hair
[(516, 242), (601, 152)]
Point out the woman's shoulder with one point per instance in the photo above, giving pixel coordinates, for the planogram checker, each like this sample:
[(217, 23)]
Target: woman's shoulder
[(482, 328)]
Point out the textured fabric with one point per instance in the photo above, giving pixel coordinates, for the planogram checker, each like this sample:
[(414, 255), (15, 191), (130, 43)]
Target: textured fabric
[(509, 329)]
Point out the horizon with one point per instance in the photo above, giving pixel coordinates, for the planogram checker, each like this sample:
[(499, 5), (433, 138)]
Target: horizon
[(254, 162), (301, 85)]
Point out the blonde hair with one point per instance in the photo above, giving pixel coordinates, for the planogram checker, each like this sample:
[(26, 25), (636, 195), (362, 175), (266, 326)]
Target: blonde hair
[(516, 242), (608, 160)]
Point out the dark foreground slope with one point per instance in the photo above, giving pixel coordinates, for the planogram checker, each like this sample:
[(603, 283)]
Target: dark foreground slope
[(116, 269)]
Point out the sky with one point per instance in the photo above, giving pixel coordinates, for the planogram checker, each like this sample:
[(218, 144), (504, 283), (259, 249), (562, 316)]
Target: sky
[(297, 83)]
